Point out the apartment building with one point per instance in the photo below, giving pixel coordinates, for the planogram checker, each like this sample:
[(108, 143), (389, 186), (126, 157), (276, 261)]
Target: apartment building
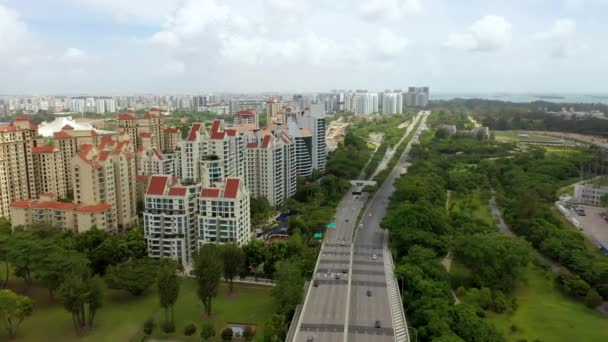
[(589, 194), (49, 170), (247, 117), (105, 175), (190, 150), (151, 124), (154, 162), (304, 148), (273, 109), (313, 120), (17, 180), (170, 218), (222, 154), (224, 213), (68, 216), (271, 166)]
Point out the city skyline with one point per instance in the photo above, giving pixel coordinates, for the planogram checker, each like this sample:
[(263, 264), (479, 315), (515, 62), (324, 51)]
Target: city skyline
[(162, 46)]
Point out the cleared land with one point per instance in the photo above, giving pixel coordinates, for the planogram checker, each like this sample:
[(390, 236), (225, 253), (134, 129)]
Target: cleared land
[(545, 314), (122, 316), (524, 137)]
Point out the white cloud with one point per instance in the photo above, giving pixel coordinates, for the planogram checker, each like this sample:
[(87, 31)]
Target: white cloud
[(562, 28), (489, 33), (74, 54), (13, 31), (389, 9), (390, 44)]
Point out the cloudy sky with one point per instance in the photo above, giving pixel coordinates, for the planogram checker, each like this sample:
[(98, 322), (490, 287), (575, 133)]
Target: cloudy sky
[(171, 46)]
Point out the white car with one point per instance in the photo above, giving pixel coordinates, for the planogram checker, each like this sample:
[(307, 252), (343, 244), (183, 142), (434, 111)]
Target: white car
[(374, 257)]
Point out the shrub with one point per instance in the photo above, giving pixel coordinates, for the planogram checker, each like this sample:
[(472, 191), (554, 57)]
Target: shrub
[(593, 299), (248, 333), (168, 327), (149, 326), (500, 302), (189, 329)]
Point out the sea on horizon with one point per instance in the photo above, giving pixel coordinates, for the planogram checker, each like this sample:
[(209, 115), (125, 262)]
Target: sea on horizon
[(507, 97)]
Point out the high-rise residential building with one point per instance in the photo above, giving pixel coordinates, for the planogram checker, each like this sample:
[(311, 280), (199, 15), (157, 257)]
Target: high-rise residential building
[(237, 105), (224, 213), (100, 106), (154, 162), (78, 105), (17, 181), (170, 219), (392, 103), (223, 154), (365, 103), (304, 145), (313, 120), (49, 171), (110, 105), (417, 97), (152, 123), (190, 150), (247, 117), (273, 107), (172, 137), (105, 175), (45, 210), (271, 166), (89, 104)]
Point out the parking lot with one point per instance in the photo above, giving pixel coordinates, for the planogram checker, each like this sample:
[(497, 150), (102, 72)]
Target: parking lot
[(592, 224)]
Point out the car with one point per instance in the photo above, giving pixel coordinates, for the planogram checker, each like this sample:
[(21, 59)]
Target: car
[(377, 324), (310, 339), (370, 215), (345, 271), (346, 220), (342, 242), (369, 293), (374, 257), (360, 225), (337, 276), (315, 283)]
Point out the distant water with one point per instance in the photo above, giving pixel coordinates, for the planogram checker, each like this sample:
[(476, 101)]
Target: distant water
[(557, 98)]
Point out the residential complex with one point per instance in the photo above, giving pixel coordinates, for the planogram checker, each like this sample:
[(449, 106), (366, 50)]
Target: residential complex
[(589, 194)]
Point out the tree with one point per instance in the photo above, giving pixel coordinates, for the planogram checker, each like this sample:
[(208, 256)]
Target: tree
[(593, 299), (13, 310), (274, 329), (149, 326), (227, 334), (22, 250), (134, 243), (207, 330), (82, 297), (53, 263), (4, 256), (168, 289), (254, 253), (604, 200), (289, 284), (233, 258), (134, 276), (208, 270), (190, 329)]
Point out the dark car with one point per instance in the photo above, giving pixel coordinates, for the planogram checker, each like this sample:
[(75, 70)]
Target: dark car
[(337, 276), (369, 293), (377, 324), (315, 283), (310, 339), (345, 271)]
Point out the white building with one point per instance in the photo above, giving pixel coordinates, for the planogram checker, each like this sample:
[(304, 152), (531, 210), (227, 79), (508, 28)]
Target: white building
[(224, 214), (392, 103), (78, 105), (154, 162), (314, 121), (100, 106), (170, 220), (190, 150), (589, 194)]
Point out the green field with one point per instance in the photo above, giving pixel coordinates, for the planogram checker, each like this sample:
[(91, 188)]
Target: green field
[(474, 203), (514, 136), (545, 314), (122, 316)]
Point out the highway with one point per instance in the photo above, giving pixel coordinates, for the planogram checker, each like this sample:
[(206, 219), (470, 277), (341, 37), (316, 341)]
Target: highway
[(342, 309)]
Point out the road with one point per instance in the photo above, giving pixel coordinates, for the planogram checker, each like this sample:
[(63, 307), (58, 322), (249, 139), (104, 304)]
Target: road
[(336, 306)]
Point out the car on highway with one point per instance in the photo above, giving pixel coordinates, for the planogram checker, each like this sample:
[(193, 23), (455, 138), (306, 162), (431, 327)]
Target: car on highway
[(374, 257), (346, 220), (342, 242), (370, 215), (315, 283), (360, 225), (377, 324), (369, 293), (337, 276), (345, 271), (310, 339)]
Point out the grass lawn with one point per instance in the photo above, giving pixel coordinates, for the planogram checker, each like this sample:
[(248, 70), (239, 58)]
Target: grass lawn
[(475, 203), (514, 136), (545, 314), (122, 316)]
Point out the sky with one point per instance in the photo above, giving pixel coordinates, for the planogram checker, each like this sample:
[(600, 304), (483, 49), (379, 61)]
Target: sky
[(109, 47)]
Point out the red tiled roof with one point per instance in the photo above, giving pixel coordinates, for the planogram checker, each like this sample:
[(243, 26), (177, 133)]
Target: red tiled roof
[(44, 149), (103, 156), (127, 116), (158, 154), (146, 134), (61, 135), (48, 194), (130, 111), (107, 139), (246, 112), (8, 128), (210, 192), (141, 178), (157, 185), (22, 118), (215, 130), (231, 132), (149, 115), (20, 204), (177, 191), (120, 147), (231, 188), (195, 128), (95, 208), (265, 141), (33, 126), (67, 127), (153, 109), (55, 205), (252, 144), (171, 130)]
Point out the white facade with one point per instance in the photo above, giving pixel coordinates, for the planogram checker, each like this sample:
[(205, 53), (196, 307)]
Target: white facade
[(190, 150), (314, 121), (155, 162), (170, 221), (224, 214), (392, 103), (589, 194)]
